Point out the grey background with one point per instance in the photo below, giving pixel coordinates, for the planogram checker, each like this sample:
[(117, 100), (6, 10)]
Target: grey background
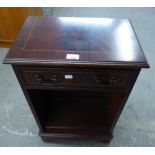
[(136, 126)]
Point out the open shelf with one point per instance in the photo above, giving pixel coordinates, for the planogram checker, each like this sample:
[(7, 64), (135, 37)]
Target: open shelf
[(78, 116), (75, 113), (69, 110)]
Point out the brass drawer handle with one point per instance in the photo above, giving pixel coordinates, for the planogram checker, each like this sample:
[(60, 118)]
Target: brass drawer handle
[(38, 77), (55, 78), (114, 80), (97, 79)]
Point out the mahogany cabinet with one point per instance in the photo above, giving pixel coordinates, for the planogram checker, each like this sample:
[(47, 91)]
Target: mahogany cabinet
[(76, 73)]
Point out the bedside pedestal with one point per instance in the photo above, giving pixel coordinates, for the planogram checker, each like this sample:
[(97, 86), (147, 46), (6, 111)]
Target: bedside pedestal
[(76, 73)]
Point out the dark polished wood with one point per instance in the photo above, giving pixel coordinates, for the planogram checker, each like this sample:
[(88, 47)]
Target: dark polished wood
[(81, 96), (80, 78), (105, 42)]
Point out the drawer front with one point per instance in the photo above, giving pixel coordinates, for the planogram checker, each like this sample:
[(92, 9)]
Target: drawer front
[(75, 77)]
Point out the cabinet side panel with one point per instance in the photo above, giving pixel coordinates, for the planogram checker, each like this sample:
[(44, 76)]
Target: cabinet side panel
[(115, 113), (20, 80)]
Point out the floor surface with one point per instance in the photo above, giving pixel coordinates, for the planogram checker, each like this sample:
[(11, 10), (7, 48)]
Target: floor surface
[(136, 125)]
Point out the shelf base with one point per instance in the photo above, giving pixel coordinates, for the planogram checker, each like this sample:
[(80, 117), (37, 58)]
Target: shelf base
[(103, 137)]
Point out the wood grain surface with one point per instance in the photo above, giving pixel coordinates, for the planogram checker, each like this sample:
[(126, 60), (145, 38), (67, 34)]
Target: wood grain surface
[(103, 41)]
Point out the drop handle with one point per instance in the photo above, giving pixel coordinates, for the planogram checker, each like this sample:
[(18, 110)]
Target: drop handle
[(38, 77), (97, 79), (114, 80), (55, 78)]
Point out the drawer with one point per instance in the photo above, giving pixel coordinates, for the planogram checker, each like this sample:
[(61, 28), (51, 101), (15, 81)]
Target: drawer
[(74, 77)]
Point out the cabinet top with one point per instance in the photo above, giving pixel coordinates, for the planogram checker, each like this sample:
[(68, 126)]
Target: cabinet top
[(75, 41)]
